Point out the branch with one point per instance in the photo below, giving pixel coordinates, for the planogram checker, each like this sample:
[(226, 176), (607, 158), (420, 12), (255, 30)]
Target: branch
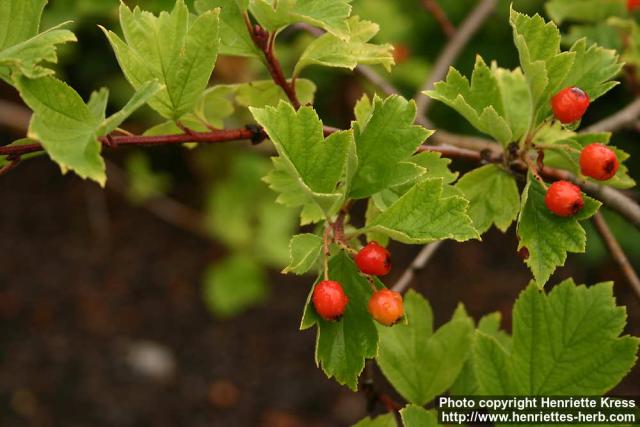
[(453, 49), (617, 253), (612, 198), (252, 133), (418, 264), (440, 16), (10, 166), (265, 41), (622, 118)]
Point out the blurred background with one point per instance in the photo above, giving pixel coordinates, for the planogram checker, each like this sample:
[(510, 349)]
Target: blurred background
[(158, 301)]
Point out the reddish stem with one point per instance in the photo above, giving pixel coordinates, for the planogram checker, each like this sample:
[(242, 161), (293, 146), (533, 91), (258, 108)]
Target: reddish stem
[(254, 134)]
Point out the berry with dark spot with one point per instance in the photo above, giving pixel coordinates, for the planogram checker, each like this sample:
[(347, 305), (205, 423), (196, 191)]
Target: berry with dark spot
[(598, 162), (570, 104), (564, 198)]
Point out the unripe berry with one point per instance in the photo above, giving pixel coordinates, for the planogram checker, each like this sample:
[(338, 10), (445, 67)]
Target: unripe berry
[(570, 104), (386, 306), (632, 5), (598, 162), (329, 299), (374, 259), (564, 198)]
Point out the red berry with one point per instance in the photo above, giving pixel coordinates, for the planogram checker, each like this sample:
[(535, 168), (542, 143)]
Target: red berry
[(329, 299), (598, 162), (564, 198), (570, 104), (633, 5), (374, 259), (386, 306)]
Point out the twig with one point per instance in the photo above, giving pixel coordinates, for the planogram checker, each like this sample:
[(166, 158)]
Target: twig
[(440, 16), (627, 116), (617, 253), (265, 41), (453, 49), (418, 264), (113, 141), (9, 166), (612, 198)]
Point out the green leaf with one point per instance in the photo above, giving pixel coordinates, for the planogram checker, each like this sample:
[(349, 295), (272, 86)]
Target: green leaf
[(592, 69), (501, 208), (420, 365), (233, 285), (480, 102), (332, 51), (416, 416), (330, 15), (314, 163), (436, 166), (178, 53), (387, 139), (342, 346), (424, 214), (584, 10), (544, 66), (19, 20), (304, 251), (515, 99), (140, 98), (26, 56), (549, 237), (467, 384), (293, 193), (261, 93), (98, 102), (564, 343), (234, 34), (388, 420), (64, 125)]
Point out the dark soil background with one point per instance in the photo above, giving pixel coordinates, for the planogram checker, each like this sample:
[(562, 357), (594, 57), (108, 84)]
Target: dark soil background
[(86, 279)]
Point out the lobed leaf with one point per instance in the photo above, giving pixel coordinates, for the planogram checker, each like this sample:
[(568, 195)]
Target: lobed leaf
[(546, 236), (425, 214), (564, 343), (421, 364), (178, 53), (304, 251), (503, 205), (331, 51), (343, 345), (384, 143)]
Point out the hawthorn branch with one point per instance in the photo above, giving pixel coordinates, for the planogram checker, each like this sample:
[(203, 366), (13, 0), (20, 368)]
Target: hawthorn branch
[(266, 41), (440, 16), (251, 133), (419, 262), (453, 49), (617, 253)]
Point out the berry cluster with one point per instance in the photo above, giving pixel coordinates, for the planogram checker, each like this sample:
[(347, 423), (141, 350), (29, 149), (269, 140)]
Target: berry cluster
[(597, 161), (385, 306)]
